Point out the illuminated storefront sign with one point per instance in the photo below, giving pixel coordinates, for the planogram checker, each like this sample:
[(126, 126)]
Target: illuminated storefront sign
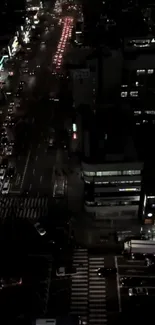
[(4, 57)]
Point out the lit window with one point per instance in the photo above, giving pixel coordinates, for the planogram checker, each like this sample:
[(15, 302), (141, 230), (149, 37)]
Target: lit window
[(137, 112), (140, 72), (130, 189), (124, 94), (150, 112), (131, 172), (134, 93), (150, 71), (88, 173)]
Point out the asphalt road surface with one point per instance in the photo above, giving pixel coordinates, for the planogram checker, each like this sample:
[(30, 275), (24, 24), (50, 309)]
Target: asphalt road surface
[(35, 170), (134, 269), (92, 297)]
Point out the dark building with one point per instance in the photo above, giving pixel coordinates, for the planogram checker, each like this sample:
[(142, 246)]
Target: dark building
[(11, 16)]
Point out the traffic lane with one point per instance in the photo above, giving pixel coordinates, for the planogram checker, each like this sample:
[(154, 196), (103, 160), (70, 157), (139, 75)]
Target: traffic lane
[(129, 263), (111, 286), (134, 271), (40, 170)]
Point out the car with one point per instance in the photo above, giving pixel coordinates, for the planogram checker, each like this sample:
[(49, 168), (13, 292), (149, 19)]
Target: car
[(32, 73), (3, 131), (139, 291), (6, 187), (2, 173), (43, 43), (10, 172), (4, 163), (41, 231), (10, 110), (9, 150), (8, 93), (51, 143), (66, 271), (20, 89), (38, 66), (24, 71), (11, 122), (22, 83), (11, 104), (4, 141), (104, 271), (10, 282)]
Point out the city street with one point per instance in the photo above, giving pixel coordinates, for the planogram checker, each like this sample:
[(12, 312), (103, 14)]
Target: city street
[(137, 270), (94, 298), (35, 171)]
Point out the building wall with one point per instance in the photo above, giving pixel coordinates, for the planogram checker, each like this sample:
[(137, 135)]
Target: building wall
[(82, 87)]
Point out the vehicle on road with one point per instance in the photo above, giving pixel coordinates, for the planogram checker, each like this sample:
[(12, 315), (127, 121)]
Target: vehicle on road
[(104, 271), (139, 291), (66, 271), (51, 143), (2, 173), (136, 247), (41, 231), (6, 187), (9, 282), (59, 187)]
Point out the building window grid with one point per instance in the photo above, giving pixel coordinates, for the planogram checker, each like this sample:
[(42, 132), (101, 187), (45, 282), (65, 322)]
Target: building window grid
[(112, 173)]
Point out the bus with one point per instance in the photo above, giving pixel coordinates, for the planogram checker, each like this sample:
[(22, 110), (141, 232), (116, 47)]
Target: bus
[(139, 247), (59, 187)]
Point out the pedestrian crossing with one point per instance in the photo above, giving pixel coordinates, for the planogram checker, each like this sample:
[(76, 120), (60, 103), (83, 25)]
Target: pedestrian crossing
[(88, 290), (79, 286), (23, 207), (97, 293)]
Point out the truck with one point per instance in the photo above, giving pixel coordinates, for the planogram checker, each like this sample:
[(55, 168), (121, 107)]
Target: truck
[(139, 247)]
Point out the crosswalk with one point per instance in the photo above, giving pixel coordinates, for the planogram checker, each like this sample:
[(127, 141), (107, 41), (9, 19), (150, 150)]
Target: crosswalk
[(97, 293), (79, 289), (88, 291), (23, 207)]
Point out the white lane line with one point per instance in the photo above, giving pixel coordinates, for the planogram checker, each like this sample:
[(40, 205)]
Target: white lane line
[(132, 266), (118, 287), (33, 171), (36, 158), (41, 178), (25, 169), (39, 145), (30, 187)]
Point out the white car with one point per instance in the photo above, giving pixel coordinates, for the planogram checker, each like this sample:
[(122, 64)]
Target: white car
[(11, 104), (2, 173), (6, 187), (139, 291), (41, 231)]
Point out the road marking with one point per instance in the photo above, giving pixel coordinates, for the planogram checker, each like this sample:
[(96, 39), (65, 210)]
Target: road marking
[(39, 145), (131, 266), (36, 158), (14, 192), (41, 178), (137, 276), (33, 171), (30, 186), (17, 179), (118, 287), (25, 169)]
